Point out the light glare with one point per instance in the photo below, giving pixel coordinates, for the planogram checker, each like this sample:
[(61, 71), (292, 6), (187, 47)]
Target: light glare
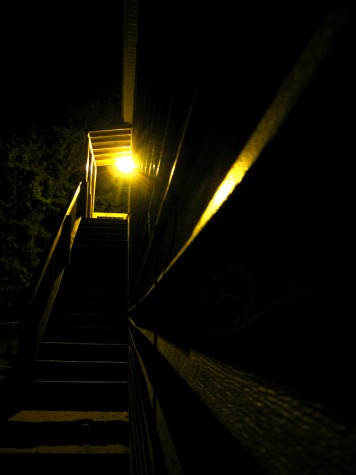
[(125, 164)]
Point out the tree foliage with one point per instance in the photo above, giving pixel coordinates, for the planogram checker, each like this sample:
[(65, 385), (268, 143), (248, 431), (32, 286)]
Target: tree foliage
[(36, 179), (41, 164)]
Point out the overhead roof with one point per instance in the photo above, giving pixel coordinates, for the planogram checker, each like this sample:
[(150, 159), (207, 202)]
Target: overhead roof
[(130, 22), (107, 146)]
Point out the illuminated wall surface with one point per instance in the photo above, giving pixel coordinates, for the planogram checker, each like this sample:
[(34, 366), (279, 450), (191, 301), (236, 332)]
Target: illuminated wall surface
[(241, 324)]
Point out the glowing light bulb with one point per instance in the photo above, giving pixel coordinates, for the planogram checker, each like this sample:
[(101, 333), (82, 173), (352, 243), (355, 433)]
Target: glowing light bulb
[(125, 164)]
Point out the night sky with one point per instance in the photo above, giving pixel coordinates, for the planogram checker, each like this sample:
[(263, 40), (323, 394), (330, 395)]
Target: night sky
[(53, 56)]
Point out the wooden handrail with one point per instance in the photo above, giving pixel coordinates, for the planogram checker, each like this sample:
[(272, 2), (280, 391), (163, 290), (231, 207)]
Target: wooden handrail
[(54, 244), (44, 288)]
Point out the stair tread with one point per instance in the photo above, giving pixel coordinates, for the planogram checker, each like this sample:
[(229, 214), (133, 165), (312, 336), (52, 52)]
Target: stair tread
[(82, 383), (114, 326), (94, 432), (76, 400), (111, 362), (28, 415), (58, 382), (114, 449), (91, 315), (81, 344)]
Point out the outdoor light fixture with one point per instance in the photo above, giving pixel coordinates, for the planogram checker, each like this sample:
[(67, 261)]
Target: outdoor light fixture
[(125, 164)]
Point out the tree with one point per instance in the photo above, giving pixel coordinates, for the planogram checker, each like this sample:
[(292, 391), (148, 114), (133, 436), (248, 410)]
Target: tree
[(41, 164)]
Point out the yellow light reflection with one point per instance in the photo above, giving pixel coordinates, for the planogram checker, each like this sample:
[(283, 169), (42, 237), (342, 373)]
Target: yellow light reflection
[(231, 180), (125, 164)]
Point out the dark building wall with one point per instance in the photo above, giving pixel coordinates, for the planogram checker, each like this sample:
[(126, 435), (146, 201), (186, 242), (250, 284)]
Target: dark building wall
[(242, 354)]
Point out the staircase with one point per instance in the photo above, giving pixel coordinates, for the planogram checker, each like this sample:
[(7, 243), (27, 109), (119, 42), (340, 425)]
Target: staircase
[(77, 401)]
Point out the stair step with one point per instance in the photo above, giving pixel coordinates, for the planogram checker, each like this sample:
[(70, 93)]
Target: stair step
[(77, 395), (42, 461), (89, 319), (111, 262), (83, 351), (118, 295), (103, 228), (92, 306), (96, 268), (88, 334), (76, 281), (101, 252), (40, 440), (64, 431), (100, 243), (74, 399), (76, 370)]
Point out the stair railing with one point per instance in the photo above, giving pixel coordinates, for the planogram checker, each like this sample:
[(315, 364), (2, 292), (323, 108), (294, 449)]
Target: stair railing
[(45, 285)]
